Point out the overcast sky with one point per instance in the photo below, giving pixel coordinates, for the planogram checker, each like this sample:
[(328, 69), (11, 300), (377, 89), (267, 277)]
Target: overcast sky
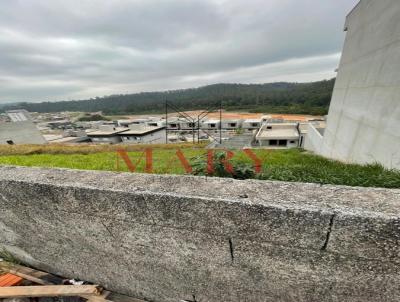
[(73, 49)]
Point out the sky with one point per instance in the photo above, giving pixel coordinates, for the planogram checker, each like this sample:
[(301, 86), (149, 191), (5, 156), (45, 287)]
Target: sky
[(52, 50)]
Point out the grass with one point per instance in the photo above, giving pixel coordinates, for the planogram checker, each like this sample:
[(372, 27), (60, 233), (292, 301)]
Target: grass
[(83, 149), (8, 257), (285, 165)]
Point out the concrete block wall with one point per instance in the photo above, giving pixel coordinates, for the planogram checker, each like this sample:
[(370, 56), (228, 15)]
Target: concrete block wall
[(184, 238), (364, 115)]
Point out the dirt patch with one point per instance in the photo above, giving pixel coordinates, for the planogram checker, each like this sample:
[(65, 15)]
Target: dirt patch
[(237, 115)]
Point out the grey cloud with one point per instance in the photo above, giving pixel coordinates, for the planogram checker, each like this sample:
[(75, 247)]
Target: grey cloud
[(55, 50), (140, 24)]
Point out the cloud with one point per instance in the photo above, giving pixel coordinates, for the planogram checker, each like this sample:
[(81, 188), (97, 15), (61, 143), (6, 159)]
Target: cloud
[(58, 50)]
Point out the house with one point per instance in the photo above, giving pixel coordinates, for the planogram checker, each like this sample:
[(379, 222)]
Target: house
[(107, 134), (211, 125), (173, 138), (278, 135), (140, 134), (270, 119), (266, 118), (173, 124), (156, 123), (139, 121), (250, 125), (188, 125), (88, 125), (24, 132), (232, 124), (124, 123), (60, 124), (303, 131)]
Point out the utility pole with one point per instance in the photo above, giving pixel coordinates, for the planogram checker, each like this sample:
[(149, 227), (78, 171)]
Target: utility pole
[(166, 121), (220, 123)]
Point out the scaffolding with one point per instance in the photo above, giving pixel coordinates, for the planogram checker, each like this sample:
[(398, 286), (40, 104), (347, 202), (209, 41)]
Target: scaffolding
[(194, 121)]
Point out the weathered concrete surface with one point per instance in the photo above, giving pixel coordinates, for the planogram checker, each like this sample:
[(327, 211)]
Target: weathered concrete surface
[(173, 238), (24, 132), (364, 115)]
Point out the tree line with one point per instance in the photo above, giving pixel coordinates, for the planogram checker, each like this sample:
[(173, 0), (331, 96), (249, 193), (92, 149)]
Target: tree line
[(282, 97)]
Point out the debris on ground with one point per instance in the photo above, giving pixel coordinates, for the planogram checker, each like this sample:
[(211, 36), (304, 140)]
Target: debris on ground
[(20, 284)]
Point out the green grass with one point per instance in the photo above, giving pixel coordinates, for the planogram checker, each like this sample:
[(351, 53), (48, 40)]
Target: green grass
[(8, 257), (285, 165)]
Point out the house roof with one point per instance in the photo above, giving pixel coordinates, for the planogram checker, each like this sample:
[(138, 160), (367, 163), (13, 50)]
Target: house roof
[(211, 122), (69, 139), (231, 121), (141, 132), (252, 120), (107, 133), (279, 133)]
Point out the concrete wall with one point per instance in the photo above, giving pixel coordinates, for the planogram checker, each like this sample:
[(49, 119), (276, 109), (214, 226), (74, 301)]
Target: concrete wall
[(313, 140), (20, 133), (157, 137), (175, 238), (364, 116), (106, 139)]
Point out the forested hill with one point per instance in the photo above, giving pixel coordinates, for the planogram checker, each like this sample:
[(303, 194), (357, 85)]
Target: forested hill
[(303, 98)]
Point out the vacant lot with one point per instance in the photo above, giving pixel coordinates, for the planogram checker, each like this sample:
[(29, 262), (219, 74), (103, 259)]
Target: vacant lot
[(285, 165)]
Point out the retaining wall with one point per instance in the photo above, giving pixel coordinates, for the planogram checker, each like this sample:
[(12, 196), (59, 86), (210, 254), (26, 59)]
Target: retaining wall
[(314, 139), (176, 238), (364, 114)]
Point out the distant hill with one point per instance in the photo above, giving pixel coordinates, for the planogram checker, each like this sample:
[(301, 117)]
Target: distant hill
[(302, 98)]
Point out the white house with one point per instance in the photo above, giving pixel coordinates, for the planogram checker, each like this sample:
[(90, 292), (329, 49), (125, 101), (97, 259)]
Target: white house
[(231, 124), (124, 123), (266, 118), (210, 125), (143, 135), (250, 125), (278, 135), (156, 123), (188, 125), (107, 134), (173, 124), (139, 121)]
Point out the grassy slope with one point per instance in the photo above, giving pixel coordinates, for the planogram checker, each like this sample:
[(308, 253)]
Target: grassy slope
[(285, 165)]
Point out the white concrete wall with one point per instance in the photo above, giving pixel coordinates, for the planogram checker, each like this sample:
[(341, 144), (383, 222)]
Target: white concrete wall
[(158, 137), (364, 116), (24, 132), (313, 140), (292, 143), (106, 140)]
